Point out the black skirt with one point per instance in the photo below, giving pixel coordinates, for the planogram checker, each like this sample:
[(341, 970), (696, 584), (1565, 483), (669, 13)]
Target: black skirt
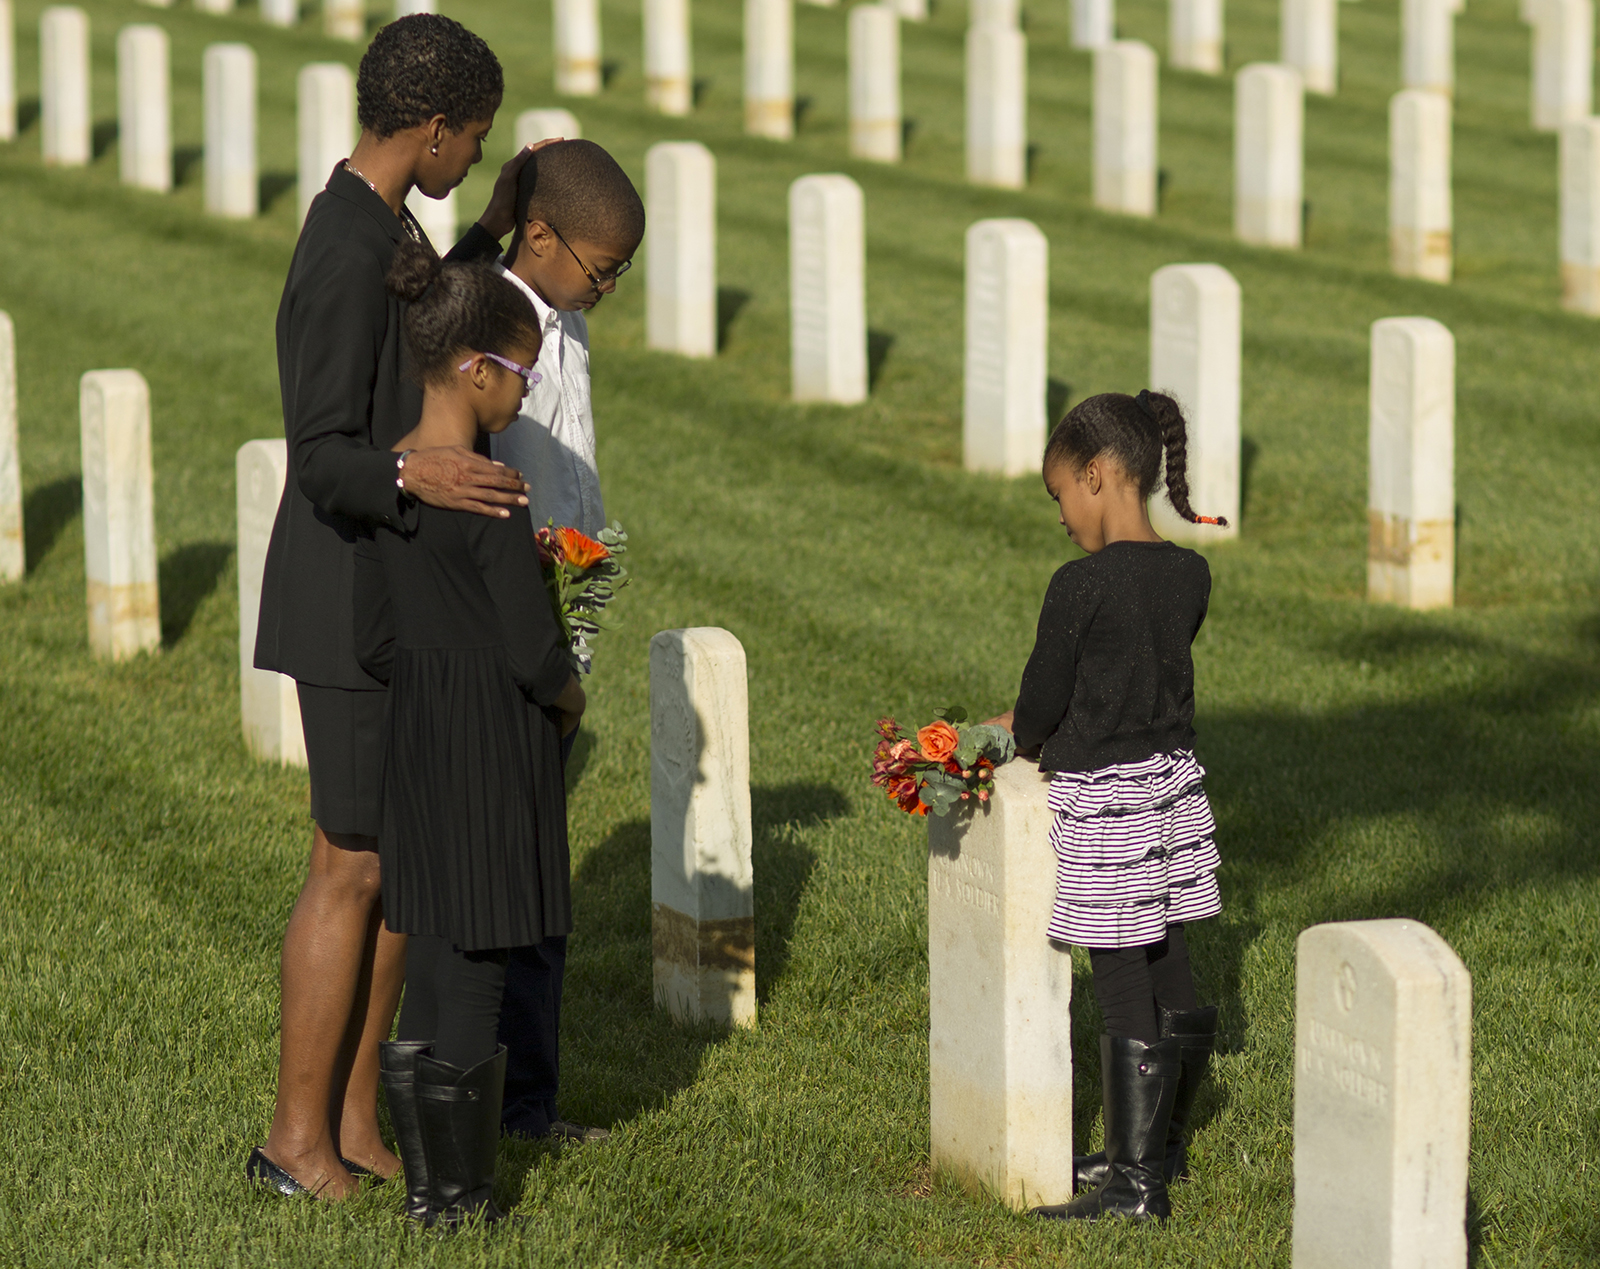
[(474, 847)]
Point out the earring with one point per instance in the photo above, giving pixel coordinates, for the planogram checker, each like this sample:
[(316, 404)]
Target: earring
[(436, 149)]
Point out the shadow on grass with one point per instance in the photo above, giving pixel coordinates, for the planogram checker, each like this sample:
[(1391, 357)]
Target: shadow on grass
[(730, 300), (185, 159), (1430, 808), (103, 136), (622, 1055), (187, 576), (878, 345), (46, 511), (272, 186), (28, 109)]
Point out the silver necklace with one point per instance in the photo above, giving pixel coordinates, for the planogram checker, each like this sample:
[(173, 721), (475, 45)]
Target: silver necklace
[(405, 214)]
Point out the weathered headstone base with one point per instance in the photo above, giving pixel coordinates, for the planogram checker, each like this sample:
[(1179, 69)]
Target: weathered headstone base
[(704, 970), (1410, 563), (1424, 254), (1580, 289), (123, 620), (771, 119)]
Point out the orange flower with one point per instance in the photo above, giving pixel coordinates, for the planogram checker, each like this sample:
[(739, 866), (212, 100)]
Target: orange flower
[(580, 550), (937, 741)]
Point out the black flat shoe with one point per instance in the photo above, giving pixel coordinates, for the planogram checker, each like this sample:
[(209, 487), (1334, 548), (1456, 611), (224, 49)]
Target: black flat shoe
[(262, 1172), (360, 1173)]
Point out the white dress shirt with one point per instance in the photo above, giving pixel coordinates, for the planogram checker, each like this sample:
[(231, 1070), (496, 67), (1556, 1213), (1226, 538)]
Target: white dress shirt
[(552, 440)]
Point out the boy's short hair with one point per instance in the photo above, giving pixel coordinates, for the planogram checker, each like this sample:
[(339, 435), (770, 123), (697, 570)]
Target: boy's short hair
[(582, 191), (425, 65)]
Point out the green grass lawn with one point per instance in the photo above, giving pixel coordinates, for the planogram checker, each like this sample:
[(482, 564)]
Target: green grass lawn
[(1364, 762)]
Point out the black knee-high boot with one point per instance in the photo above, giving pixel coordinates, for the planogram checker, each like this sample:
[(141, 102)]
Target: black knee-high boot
[(460, 1115), (1196, 1031), (1139, 1083), (397, 1066)]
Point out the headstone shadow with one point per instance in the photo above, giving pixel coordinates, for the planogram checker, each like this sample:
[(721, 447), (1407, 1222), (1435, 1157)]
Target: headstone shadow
[(610, 68), (878, 345), (1249, 452), (28, 109), (273, 185), (187, 576), (782, 863), (185, 158), (46, 511), (1057, 392), (908, 129), (103, 137), (699, 89), (730, 301), (802, 107)]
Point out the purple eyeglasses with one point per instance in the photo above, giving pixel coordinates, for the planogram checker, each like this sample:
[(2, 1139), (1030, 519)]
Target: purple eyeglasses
[(528, 376)]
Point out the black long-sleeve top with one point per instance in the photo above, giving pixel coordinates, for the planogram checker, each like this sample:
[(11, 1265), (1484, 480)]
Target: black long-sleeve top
[(459, 581), (346, 400), (1111, 678)]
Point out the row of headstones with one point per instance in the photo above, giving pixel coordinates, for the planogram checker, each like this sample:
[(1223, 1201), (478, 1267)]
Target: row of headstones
[(326, 118), (1382, 1062), (341, 19)]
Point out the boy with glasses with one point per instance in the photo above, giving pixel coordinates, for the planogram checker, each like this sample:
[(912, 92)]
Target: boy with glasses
[(578, 222)]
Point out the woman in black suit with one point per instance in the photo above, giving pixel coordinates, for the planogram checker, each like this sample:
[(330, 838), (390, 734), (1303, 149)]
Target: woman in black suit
[(427, 92)]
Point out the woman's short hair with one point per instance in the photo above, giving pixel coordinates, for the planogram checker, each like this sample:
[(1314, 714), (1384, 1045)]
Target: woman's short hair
[(426, 65)]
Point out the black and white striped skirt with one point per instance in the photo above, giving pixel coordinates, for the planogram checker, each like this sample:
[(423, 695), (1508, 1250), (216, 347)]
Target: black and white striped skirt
[(1134, 851)]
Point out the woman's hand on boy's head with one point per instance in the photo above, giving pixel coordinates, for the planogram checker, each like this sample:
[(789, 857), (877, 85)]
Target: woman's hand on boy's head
[(456, 479), (500, 216)]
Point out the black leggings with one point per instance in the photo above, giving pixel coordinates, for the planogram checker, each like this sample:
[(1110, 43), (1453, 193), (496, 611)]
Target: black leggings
[(1130, 982), (453, 999)]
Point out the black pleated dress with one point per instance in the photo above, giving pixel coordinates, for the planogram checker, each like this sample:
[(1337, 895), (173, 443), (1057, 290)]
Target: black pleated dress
[(454, 616)]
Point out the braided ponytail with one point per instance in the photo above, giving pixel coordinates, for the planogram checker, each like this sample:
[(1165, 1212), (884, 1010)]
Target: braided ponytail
[(1134, 432)]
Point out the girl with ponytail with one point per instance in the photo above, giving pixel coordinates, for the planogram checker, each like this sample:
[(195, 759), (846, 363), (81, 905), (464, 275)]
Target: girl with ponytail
[(452, 615), (1107, 702)]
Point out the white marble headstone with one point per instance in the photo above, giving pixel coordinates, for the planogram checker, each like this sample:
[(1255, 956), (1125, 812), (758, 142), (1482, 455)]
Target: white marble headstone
[(1428, 45), (269, 706), (875, 129), (144, 108), (1419, 185), (1194, 35), (1194, 358), (999, 999), (912, 10), (534, 126), (668, 64), (1563, 62), (769, 68), (998, 12), (325, 123), (344, 20), (8, 72), (280, 12), (1094, 22), (64, 86), (827, 290), (119, 534), (229, 88), (1125, 115), (576, 38), (1003, 424), (1580, 217), (437, 216), (1268, 155), (680, 278), (1382, 1096), (405, 8), (1411, 529), (701, 881), (13, 559), (214, 7), (997, 106), (1309, 41)]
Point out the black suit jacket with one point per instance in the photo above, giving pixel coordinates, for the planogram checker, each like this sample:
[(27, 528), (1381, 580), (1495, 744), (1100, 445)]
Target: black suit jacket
[(346, 400)]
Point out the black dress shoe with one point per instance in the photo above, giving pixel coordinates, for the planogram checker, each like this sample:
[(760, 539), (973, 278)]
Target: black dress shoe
[(360, 1173), (263, 1172), (562, 1132)]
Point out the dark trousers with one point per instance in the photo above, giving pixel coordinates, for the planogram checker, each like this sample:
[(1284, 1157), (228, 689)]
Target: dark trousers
[(1130, 983), (452, 999), (530, 1027)]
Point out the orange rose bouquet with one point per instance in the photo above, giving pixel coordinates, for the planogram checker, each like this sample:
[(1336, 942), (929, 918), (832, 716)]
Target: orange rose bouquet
[(947, 763), (583, 576)]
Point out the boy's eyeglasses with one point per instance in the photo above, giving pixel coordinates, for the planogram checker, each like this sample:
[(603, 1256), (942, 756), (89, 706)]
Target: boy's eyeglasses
[(528, 377), (595, 280)]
